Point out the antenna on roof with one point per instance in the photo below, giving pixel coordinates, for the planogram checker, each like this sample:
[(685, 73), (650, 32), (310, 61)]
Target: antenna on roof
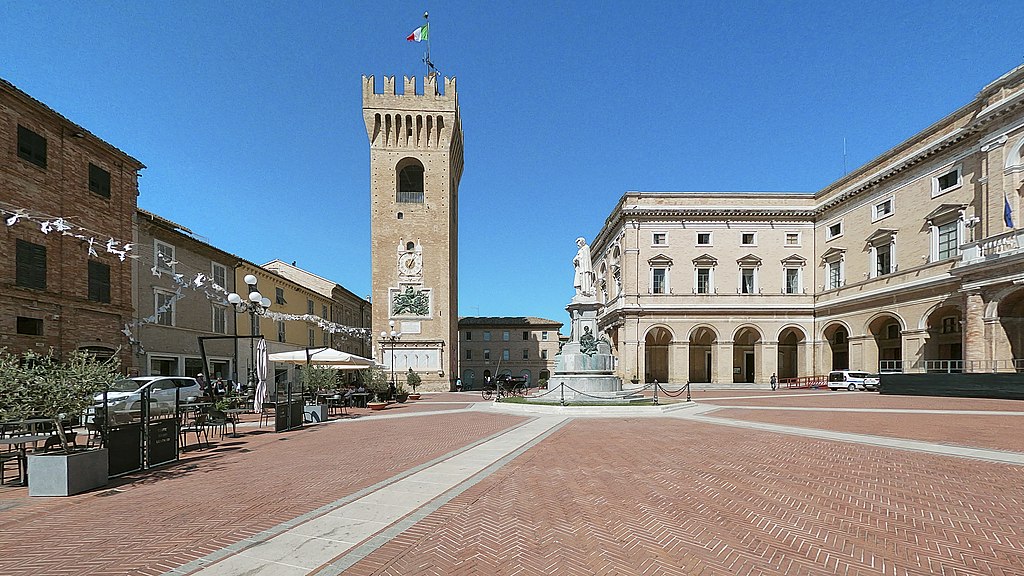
[(845, 171)]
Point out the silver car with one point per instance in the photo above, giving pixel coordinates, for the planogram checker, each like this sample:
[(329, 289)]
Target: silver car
[(126, 395)]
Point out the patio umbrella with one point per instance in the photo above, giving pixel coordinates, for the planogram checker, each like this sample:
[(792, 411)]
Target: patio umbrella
[(261, 375), (326, 357)]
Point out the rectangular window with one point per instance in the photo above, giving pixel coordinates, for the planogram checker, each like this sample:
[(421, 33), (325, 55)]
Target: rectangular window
[(792, 238), (279, 297), (30, 326), (99, 282), (659, 239), (99, 181), (792, 280), (323, 311), (220, 275), (746, 280), (505, 355), (469, 354), (280, 331), (505, 336), (469, 335), (883, 260), (309, 307), (835, 274), (747, 238), (30, 267), (658, 281), (324, 340), (948, 181), (882, 209), (312, 338), (948, 240), (703, 238), (834, 230), (487, 353), (164, 303), (220, 322), (703, 280), (892, 331), (163, 256), (526, 354), (544, 335), (487, 336), (526, 335), (543, 354), (31, 146), (950, 325)]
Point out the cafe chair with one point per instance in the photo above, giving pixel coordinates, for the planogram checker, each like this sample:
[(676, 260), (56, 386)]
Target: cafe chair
[(336, 405), (268, 413), (6, 457), (197, 426)]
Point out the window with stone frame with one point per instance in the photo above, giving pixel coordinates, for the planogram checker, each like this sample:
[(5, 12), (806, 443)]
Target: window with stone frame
[(220, 275), (310, 307), (469, 335), (949, 240), (883, 259), (506, 355), (279, 297), (280, 331), (163, 256), (469, 353), (792, 280), (703, 280), (747, 281), (659, 281), (165, 305), (526, 353), (220, 322), (487, 353), (543, 354)]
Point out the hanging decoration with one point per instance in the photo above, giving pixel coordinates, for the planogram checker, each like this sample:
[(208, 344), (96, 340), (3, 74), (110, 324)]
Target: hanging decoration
[(199, 282)]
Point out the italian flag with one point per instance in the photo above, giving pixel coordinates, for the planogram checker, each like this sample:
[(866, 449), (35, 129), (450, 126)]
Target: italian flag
[(420, 34)]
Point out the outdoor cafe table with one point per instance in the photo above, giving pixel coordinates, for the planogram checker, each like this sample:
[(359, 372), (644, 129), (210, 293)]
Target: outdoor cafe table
[(360, 398), (22, 443)]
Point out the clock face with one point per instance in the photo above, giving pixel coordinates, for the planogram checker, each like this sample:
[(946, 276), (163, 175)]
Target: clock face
[(409, 264)]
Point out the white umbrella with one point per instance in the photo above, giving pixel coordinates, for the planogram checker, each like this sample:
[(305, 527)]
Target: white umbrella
[(261, 375), (327, 357)]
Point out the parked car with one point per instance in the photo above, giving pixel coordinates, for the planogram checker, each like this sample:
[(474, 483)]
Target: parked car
[(852, 380), (164, 391)]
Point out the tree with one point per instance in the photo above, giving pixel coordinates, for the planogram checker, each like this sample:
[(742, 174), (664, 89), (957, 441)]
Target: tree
[(37, 386), (318, 378), (412, 379), (376, 380)]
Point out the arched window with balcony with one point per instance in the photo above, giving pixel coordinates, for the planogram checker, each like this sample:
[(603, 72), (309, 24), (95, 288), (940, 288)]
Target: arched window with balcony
[(410, 181)]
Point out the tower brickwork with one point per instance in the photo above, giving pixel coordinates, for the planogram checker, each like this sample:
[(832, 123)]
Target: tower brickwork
[(415, 167)]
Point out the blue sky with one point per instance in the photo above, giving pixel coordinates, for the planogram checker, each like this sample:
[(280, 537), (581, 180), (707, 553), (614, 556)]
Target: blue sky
[(251, 111)]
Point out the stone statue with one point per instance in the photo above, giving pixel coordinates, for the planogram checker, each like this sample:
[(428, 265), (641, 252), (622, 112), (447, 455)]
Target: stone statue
[(583, 281)]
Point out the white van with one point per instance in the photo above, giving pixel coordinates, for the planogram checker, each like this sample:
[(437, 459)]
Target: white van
[(852, 380)]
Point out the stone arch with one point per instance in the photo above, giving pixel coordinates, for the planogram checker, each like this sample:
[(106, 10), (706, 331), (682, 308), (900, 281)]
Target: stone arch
[(747, 343), (657, 341), (1011, 319), (409, 177), (943, 346), (836, 351), (703, 339), (792, 341), (886, 332)]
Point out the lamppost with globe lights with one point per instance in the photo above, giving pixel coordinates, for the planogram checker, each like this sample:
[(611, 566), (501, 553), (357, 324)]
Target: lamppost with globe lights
[(391, 338), (256, 305)]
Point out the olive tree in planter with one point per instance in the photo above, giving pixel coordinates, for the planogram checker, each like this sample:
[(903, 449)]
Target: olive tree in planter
[(37, 386), (412, 379), (376, 380), (316, 379)]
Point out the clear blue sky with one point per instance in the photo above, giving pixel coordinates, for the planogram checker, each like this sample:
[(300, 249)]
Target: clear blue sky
[(248, 111)]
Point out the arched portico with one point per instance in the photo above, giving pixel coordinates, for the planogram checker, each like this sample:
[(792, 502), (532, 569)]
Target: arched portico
[(656, 347), (1009, 337), (943, 348), (792, 361), (836, 351), (886, 331), (702, 345), (746, 354)]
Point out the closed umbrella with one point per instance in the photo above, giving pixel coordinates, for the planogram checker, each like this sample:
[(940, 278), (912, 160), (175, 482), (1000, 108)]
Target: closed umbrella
[(261, 375)]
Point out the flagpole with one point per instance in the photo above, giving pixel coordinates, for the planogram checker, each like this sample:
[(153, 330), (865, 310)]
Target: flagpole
[(426, 58)]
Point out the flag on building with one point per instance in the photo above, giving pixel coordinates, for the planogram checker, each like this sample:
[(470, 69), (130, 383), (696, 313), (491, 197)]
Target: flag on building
[(1007, 212), (420, 34)]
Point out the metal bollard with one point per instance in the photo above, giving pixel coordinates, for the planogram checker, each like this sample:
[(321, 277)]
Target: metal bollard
[(655, 392), (561, 388)]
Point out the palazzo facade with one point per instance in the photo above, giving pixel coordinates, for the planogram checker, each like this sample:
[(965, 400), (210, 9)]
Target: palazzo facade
[(910, 263)]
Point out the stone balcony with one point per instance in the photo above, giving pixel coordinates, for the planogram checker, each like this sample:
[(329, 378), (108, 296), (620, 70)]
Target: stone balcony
[(991, 248)]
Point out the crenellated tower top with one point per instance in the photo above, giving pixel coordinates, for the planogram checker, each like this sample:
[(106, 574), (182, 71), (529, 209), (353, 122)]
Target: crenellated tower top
[(387, 99)]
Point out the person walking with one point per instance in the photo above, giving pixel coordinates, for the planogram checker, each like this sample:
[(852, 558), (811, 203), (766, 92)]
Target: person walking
[(774, 381)]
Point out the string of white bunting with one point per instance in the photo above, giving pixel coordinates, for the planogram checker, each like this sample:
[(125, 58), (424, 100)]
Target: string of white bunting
[(196, 281)]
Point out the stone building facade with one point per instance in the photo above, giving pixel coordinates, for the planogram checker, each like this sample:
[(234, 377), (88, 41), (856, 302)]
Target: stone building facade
[(416, 163), (521, 346), (909, 263), (58, 291), (169, 340)]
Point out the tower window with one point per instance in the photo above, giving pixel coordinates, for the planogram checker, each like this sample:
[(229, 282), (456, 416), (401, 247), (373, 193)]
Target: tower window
[(99, 180), (31, 146), (410, 181)]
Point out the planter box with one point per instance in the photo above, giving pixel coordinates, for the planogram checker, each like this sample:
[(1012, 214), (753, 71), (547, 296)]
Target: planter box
[(59, 474), (315, 412), (401, 398), (414, 396), (377, 405)]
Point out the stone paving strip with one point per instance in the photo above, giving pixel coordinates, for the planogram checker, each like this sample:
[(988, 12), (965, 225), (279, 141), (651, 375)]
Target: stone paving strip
[(312, 544)]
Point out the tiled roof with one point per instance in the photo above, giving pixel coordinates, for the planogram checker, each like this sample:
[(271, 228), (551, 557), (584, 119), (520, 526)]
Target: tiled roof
[(506, 321)]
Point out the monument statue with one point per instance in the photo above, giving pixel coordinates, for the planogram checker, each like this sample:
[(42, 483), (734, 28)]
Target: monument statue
[(583, 281)]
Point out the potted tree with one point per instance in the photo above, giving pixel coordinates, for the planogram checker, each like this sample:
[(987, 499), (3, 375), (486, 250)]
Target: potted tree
[(37, 386), (376, 380), (315, 380), (413, 380)]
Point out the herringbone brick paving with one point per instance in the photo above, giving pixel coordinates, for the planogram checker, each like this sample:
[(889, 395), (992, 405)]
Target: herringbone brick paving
[(979, 431), (674, 497), (168, 517)]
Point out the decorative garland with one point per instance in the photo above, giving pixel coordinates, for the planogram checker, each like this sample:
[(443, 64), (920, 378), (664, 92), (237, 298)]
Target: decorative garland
[(197, 282)]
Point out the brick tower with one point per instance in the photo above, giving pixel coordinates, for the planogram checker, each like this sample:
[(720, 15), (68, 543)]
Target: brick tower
[(415, 168)]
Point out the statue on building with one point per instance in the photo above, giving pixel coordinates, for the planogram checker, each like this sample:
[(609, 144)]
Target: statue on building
[(583, 281)]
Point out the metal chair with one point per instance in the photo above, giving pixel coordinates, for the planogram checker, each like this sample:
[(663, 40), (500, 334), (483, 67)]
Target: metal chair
[(197, 426)]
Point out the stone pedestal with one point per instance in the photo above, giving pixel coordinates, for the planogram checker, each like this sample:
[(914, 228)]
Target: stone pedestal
[(584, 366)]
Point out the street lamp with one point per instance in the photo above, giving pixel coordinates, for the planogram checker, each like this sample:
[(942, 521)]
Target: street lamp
[(256, 305), (391, 338)]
